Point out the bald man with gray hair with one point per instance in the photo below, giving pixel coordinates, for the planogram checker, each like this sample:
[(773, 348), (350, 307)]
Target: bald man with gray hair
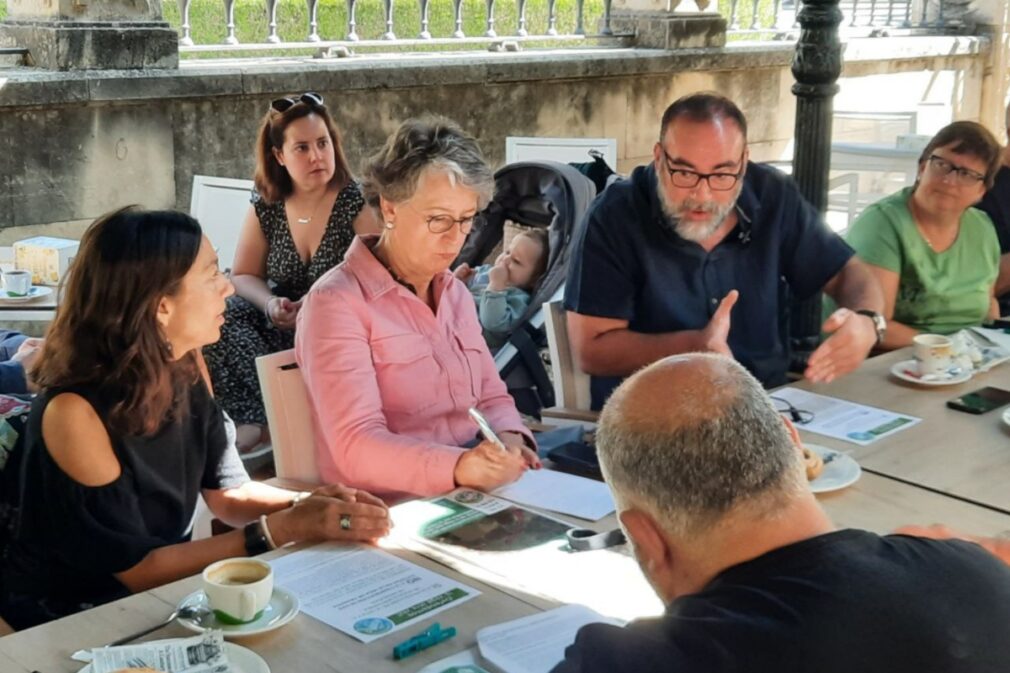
[(712, 493)]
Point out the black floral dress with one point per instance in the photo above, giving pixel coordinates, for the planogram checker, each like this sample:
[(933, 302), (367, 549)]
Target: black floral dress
[(246, 334)]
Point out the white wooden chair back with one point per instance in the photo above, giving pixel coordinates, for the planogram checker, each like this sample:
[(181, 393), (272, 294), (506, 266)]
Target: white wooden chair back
[(571, 384), (290, 418), (220, 205)]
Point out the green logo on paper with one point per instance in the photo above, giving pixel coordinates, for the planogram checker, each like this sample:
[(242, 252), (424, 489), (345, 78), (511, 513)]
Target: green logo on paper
[(371, 626), (469, 497)]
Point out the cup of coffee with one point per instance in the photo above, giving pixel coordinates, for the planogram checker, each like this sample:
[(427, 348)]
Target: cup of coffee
[(933, 354), (17, 283), (238, 589)]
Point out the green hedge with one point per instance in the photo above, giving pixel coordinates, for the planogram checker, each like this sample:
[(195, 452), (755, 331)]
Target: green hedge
[(207, 19)]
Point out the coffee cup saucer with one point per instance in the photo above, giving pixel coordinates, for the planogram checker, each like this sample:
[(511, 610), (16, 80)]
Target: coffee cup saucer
[(283, 607), (34, 292), (907, 370)]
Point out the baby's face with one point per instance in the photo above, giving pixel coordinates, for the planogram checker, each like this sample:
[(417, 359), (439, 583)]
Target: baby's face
[(521, 261)]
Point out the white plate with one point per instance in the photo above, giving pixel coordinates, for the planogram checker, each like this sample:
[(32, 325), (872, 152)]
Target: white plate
[(282, 609), (1006, 416), (906, 372), (34, 292), (840, 470), (242, 660)]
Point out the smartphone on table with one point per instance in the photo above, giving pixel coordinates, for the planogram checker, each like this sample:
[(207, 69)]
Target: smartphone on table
[(981, 400)]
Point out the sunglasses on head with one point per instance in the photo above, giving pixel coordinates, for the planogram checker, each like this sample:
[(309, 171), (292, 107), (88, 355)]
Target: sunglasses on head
[(310, 98)]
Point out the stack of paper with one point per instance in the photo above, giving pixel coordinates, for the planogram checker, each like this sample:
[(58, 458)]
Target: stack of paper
[(537, 643)]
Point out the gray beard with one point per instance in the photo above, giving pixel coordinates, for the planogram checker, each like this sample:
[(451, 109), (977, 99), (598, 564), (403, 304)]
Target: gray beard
[(694, 231)]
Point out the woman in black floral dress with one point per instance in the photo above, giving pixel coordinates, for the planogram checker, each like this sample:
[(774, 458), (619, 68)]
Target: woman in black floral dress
[(287, 242)]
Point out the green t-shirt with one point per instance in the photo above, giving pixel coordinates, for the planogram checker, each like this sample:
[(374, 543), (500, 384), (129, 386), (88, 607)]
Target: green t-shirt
[(938, 292)]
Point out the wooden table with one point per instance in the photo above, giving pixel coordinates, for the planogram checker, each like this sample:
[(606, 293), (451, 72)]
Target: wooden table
[(304, 645), (875, 503), (956, 453)]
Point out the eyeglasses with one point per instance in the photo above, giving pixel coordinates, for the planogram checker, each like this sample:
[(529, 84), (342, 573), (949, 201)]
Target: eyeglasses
[(962, 176), (439, 224), (310, 98), (798, 416), (688, 179)]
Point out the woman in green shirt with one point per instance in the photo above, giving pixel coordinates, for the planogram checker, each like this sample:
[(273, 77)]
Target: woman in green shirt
[(935, 256)]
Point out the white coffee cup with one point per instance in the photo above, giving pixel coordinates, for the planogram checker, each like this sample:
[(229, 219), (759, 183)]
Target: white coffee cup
[(238, 589), (934, 353), (17, 283)]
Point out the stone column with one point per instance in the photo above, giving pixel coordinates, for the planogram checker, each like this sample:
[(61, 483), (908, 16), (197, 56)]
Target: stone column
[(669, 24), (91, 34), (817, 64)]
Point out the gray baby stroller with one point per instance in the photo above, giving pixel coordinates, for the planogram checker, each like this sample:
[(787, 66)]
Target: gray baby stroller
[(541, 194)]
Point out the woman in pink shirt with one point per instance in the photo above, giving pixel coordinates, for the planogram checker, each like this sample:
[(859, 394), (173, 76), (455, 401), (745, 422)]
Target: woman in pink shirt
[(389, 343)]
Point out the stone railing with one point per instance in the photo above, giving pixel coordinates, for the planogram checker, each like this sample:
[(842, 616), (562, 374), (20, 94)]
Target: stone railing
[(860, 17), (492, 32), (133, 34)]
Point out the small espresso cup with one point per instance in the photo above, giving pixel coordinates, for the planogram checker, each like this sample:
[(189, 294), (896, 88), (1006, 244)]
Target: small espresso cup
[(934, 353), (238, 589), (17, 283)]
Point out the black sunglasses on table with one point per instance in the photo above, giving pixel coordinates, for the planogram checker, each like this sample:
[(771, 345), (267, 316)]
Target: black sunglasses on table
[(310, 98)]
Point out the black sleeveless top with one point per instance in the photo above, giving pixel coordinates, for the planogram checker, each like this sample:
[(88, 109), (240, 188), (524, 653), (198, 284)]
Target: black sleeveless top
[(72, 538)]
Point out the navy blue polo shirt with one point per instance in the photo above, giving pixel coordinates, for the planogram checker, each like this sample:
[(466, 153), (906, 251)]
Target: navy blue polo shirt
[(628, 264)]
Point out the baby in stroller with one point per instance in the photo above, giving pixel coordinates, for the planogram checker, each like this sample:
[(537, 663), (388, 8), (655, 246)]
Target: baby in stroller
[(502, 290)]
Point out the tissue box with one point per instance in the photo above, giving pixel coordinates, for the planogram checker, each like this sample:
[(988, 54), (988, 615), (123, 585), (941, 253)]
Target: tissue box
[(46, 257)]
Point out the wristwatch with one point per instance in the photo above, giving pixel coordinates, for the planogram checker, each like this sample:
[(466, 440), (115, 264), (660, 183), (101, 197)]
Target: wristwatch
[(256, 540), (879, 323)]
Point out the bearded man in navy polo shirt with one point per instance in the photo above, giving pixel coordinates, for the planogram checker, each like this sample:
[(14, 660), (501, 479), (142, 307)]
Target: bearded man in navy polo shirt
[(699, 251)]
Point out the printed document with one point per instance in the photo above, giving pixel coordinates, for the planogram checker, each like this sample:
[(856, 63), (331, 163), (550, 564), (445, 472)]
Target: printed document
[(560, 492), (364, 592), (537, 643), (844, 420)]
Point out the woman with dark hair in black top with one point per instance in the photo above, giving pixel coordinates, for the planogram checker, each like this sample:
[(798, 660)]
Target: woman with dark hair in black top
[(126, 434)]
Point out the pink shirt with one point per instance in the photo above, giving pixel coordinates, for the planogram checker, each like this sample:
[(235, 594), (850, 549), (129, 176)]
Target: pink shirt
[(390, 382)]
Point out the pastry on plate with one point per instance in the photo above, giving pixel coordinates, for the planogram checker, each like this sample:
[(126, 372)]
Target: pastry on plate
[(814, 463)]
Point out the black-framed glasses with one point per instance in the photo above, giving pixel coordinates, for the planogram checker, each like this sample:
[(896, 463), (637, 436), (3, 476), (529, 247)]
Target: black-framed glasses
[(310, 98), (797, 416), (962, 176), (688, 179), (439, 224)]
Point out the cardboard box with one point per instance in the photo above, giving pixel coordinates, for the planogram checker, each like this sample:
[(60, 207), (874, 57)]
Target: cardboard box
[(46, 257)]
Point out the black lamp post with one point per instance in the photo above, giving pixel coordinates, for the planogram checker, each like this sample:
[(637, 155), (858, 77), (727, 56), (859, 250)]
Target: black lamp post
[(816, 67)]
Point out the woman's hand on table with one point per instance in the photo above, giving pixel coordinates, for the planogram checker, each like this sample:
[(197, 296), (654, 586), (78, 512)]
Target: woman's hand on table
[(321, 517), (486, 467)]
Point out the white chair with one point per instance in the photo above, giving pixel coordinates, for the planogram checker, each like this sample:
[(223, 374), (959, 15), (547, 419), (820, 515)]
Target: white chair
[(571, 384), (220, 205), (286, 401)]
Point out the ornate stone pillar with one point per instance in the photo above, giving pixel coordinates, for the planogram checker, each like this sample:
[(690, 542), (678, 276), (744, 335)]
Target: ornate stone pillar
[(817, 64), (92, 34), (669, 24)]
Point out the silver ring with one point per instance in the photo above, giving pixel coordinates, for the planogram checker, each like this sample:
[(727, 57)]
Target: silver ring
[(345, 521)]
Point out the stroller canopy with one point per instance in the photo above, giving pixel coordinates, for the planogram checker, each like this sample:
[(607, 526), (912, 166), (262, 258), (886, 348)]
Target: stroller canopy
[(535, 194)]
